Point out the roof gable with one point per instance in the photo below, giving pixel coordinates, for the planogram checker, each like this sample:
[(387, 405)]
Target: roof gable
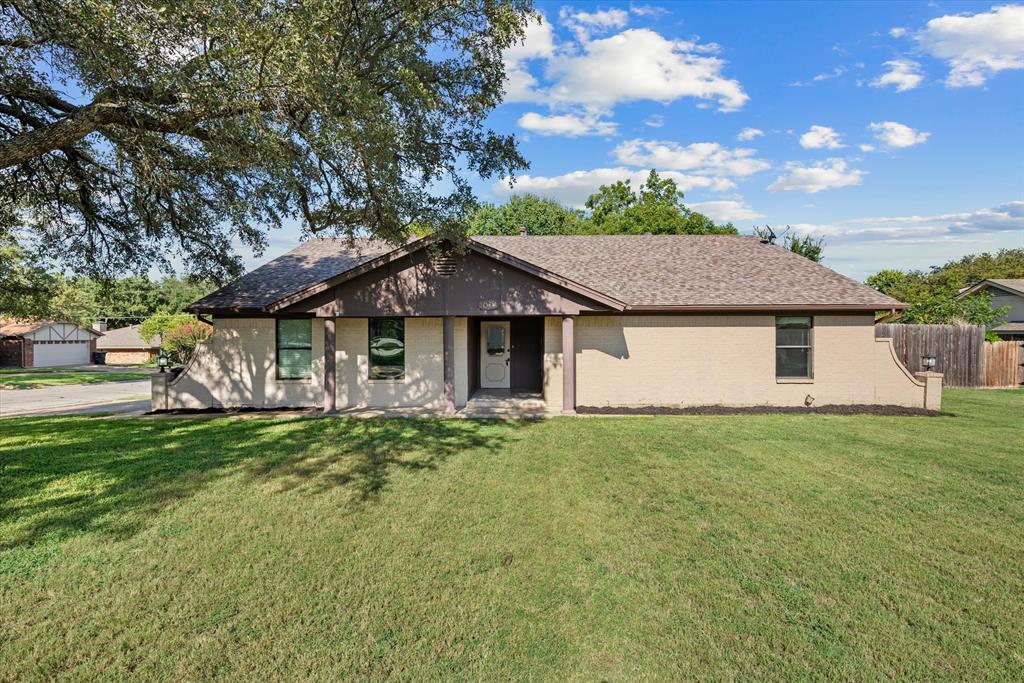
[(621, 272)]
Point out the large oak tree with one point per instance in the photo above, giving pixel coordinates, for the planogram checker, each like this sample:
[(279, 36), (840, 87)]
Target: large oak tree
[(132, 130)]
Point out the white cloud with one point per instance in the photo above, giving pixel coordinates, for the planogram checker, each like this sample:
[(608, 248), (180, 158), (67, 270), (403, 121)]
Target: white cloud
[(821, 137), (705, 158), (897, 32), (636, 64), (976, 46), (726, 211), (573, 188), (584, 24), (655, 121), (905, 74), (1008, 217), (538, 43), (749, 134), (865, 147), (818, 78), (897, 135), (648, 11), (568, 125), (824, 175)]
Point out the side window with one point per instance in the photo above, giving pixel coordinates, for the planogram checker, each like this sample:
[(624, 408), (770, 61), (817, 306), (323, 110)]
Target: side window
[(387, 348), (295, 348), (793, 346)]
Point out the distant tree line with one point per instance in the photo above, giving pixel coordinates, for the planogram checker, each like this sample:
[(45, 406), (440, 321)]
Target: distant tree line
[(29, 290), (933, 295), (655, 207)]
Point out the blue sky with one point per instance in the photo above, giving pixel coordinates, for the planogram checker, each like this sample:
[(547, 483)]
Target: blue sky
[(894, 130)]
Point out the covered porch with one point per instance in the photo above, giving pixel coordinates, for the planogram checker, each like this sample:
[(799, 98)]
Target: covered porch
[(490, 366)]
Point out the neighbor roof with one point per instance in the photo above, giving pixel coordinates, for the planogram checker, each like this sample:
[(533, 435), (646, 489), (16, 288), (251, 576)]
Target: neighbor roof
[(126, 338), (641, 271), (14, 327), (1015, 285)]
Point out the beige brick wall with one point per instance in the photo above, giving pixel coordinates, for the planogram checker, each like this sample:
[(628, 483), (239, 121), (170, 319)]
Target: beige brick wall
[(237, 367), (620, 360), (730, 360), (424, 366)]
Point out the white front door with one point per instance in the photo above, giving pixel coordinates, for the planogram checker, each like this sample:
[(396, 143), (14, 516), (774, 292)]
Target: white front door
[(495, 355)]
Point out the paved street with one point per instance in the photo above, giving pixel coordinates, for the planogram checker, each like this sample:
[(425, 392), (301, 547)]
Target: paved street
[(119, 397)]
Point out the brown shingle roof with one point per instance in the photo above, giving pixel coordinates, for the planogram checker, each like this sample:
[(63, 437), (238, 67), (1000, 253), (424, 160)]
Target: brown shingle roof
[(12, 327), (691, 270), (714, 271), (311, 262)]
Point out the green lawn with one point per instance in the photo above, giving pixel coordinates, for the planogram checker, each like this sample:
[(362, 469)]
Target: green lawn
[(730, 547), (34, 379)]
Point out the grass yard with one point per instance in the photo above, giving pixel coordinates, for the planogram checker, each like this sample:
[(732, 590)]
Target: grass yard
[(35, 379), (729, 547)]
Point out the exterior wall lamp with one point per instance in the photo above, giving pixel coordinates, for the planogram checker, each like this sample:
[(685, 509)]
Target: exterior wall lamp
[(928, 362), (162, 361)]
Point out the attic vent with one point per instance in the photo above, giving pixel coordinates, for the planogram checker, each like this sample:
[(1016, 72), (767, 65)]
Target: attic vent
[(445, 264)]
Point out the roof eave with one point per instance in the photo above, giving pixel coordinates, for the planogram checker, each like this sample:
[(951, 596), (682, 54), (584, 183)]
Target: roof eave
[(761, 308)]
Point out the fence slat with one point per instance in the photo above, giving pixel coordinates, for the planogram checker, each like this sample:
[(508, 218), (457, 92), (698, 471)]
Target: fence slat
[(959, 350), (1002, 364)]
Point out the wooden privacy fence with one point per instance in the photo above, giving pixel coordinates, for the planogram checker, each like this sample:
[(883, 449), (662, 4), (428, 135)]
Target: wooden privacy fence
[(961, 353), (1003, 364)]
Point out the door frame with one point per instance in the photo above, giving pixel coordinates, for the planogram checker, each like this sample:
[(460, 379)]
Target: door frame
[(506, 356)]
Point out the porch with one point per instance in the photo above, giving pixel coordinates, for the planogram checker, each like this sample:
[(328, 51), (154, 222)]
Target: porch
[(490, 366)]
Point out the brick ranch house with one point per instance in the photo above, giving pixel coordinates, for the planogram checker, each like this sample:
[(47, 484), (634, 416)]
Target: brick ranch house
[(644, 320)]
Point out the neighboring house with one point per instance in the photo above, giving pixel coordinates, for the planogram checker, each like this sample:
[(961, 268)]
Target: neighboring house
[(1004, 293), (638, 320), (44, 343), (125, 345)]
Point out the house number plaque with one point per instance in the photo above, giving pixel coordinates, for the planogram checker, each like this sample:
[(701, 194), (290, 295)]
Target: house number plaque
[(488, 304)]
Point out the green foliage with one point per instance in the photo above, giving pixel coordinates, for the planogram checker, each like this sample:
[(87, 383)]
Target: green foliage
[(538, 215), (807, 246), (132, 131), (933, 295), (28, 290), (179, 333), (657, 208)]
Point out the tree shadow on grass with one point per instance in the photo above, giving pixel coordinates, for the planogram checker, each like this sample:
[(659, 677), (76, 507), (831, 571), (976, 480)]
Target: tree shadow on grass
[(63, 477)]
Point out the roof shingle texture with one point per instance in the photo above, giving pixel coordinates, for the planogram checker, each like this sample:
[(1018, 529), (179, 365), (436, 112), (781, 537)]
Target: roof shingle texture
[(638, 270), (308, 264), (690, 270)]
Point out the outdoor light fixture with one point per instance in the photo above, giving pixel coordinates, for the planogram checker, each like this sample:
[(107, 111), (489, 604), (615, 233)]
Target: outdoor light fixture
[(162, 361), (928, 362)]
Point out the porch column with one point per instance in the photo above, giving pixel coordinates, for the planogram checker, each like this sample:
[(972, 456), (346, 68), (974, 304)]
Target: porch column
[(449, 364), (330, 366), (568, 365)]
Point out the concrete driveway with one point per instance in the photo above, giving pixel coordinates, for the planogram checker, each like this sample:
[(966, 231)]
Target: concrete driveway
[(76, 399)]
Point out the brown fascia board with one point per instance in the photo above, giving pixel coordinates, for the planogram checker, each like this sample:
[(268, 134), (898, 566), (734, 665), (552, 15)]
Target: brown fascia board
[(547, 275)]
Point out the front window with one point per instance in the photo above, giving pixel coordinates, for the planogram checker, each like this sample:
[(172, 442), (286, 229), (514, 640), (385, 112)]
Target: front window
[(295, 348), (387, 348), (793, 346)]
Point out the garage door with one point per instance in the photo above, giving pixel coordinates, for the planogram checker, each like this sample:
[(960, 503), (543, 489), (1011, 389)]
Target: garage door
[(49, 353)]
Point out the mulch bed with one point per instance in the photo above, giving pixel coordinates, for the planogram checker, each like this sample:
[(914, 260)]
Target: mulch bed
[(225, 411), (762, 410)]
